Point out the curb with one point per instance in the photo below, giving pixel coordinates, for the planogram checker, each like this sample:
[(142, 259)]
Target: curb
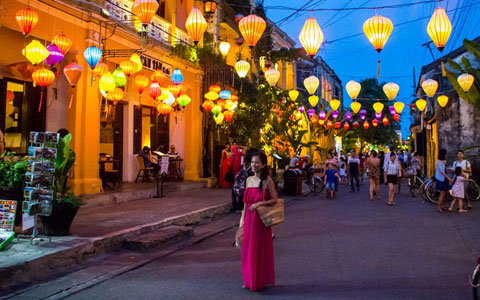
[(60, 261)]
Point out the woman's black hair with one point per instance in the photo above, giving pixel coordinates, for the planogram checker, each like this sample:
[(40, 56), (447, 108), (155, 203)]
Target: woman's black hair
[(249, 154), (393, 154), (442, 154), (374, 153), (226, 145), (460, 150), (266, 170), (415, 153), (458, 171)]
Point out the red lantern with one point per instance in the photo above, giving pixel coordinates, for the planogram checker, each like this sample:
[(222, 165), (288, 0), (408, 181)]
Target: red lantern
[(375, 122), (355, 124), (141, 83), (346, 126), (164, 108), (385, 121), (27, 20), (215, 88), (207, 105), (366, 125), (396, 117), (338, 125), (154, 91), (228, 116), (43, 77), (329, 124), (234, 98), (63, 43)]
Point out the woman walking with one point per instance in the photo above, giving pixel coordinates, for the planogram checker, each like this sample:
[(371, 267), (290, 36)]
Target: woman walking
[(443, 182), (225, 167), (392, 169), (257, 248), (373, 167)]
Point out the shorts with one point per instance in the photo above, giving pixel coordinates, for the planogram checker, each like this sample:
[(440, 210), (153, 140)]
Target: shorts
[(392, 179), (330, 186), (442, 185)]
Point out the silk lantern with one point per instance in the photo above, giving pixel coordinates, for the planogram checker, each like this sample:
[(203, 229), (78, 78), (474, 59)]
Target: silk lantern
[(321, 122), (363, 114), (214, 88), (100, 69), (27, 19), (207, 105), (63, 42), (335, 104), (164, 108), (177, 76), (378, 115), (252, 27), (310, 112), (329, 124), (293, 94), (301, 108), (355, 124), (366, 125), (396, 117), (73, 71), (225, 94), (391, 90), (42, 77), (385, 121), (348, 116), (219, 118), (55, 55), (35, 52), (313, 100), (272, 75), (145, 10), (430, 87), (10, 96), (322, 115), (106, 83), (465, 81), (353, 89), (334, 114), (346, 126), (196, 25), (338, 125), (92, 55), (141, 83), (399, 107), (128, 67), (421, 104), (439, 28), (224, 48), (175, 89), (311, 84), (216, 109), (184, 100), (378, 30), (242, 68), (378, 107), (234, 98), (355, 106), (115, 95), (311, 37), (442, 100), (212, 96), (136, 59), (157, 76), (154, 90), (228, 116), (119, 77), (392, 110), (375, 122)]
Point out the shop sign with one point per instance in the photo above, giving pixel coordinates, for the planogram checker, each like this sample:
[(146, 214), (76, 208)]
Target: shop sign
[(7, 214), (153, 64)]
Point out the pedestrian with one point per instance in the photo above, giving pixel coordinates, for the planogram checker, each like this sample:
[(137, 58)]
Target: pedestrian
[(458, 190), (332, 159), (343, 170), (361, 167), (392, 168), (258, 267), (386, 159), (373, 173), (466, 168), (240, 183), (329, 180), (225, 167), (381, 156), (237, 154), (401, 163), (443, 181), (353, 169)]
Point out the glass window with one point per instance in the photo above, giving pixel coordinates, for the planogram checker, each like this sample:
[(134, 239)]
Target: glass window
[(13, 116)]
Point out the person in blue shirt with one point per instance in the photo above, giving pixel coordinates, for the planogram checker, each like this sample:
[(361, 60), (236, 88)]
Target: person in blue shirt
[(330, 175)]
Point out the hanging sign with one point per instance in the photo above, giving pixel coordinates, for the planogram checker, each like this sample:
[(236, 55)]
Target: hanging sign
[(153, 64), (164, 164)]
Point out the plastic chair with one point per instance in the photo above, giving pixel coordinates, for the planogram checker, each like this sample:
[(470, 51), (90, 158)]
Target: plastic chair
[(142, 170)]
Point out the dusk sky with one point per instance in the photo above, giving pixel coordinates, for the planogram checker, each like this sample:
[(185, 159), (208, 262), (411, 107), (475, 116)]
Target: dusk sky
[(354, 57)]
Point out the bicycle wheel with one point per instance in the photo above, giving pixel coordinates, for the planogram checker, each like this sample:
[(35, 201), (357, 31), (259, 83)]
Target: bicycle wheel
[(474, 281), (415, 188), (431, 192), (472, 192), (318, 185), (423, 191)]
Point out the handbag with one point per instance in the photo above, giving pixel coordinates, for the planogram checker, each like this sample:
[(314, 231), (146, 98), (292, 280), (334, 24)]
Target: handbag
[(272, 214), (239, 238)]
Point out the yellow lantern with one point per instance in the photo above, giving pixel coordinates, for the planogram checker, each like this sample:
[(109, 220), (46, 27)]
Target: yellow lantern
[(311, 84), (261, 61), (242, 68), (145, 10), (430, 86), (224, 48), (212, 96), (391, 90), (272, 75), (442, 100), (252, 27), (218, 118), (399, 107), (465, 81), (35, 52), (439, 28), (196, 25), (311, 37), (115, 95), (334, 104), (128, 67), (313, 100), (355, 106), (353, 89), (378, 107), (421, 104), (136, 59), (106, 83), (378, 30), (293, 94)]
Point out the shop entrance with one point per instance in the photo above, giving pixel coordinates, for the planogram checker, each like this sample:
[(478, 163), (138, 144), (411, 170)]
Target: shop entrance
[(111, 143)]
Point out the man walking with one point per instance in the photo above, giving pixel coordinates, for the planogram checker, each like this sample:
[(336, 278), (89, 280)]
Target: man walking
[(353, 170)]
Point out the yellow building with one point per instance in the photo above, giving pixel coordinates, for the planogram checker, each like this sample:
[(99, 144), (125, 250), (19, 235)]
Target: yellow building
[(120, 130)]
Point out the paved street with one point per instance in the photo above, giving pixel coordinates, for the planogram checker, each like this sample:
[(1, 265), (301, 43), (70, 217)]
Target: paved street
[(347, 248)]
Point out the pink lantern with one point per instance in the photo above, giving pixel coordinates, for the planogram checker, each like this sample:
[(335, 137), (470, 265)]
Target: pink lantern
[(72, 71)]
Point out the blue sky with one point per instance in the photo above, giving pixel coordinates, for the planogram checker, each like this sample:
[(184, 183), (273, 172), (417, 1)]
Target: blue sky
[(354, 58)]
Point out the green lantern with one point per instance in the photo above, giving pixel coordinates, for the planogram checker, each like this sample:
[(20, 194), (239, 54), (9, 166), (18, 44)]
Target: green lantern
[(119, 77)]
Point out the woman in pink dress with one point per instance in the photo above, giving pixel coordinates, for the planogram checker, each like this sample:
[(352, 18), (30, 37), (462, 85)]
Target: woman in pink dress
[(224, 166), (257, 247)]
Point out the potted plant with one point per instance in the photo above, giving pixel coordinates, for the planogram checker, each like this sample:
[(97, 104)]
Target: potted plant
[(65, 205), (12, 178)]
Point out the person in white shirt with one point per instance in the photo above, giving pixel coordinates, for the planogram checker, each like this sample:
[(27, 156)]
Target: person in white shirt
[(353, 171), (466, 169), (392, 169)]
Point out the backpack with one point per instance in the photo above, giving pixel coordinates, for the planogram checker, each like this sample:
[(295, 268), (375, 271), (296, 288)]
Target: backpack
[(240, 182)]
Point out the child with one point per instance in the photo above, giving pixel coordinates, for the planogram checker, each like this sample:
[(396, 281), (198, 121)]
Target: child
[(329, 179), (458, 191), (343, 169)]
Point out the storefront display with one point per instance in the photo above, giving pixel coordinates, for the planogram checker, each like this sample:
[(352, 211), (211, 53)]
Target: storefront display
[(7, 222)]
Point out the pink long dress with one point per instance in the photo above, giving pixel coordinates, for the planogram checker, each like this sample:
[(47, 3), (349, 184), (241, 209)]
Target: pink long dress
[(258, 267)]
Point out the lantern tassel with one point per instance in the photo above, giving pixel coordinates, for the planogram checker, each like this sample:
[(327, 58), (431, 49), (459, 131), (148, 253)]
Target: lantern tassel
[(378, 69), (71, 101), (444, 72), (113, 108), (41, 100)]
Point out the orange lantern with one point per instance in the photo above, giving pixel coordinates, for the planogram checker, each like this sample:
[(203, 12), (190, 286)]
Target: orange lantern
[(215, 88), (321, 122), (27, 20), (115, 95), (366, 125), (329, 124), (164, 108), (196, 25), (175, 89), (228, 116), (157, 76), (252, 27), (375, 122), (378, 30), (207, 105), (385, 121), (439, 28), (141, 83), (145, 10), (63, 42), (222, 103), (311, 37), (396, 117), (234, 98), (73, 71), (100, 69), (154, 90), (128, 67), (43, 77)]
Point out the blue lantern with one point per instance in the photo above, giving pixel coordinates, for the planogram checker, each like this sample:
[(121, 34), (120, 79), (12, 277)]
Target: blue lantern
[(177, 76), (92, 56), (225, 94)]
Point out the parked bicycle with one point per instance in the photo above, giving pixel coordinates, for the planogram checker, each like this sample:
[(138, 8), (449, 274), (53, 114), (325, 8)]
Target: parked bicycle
[(429, 192), (414, 184), (474, 280), (314, 182)]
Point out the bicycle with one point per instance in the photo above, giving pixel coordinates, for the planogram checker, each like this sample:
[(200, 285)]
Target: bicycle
[(414, 183), (314, 182), (474, 280)]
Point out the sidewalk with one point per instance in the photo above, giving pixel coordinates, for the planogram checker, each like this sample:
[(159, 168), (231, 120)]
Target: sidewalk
[(100, 229)]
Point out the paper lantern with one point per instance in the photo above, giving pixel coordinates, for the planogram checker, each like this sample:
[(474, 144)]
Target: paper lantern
[(242, 68), (35, 52), (164, 108), (234, 98), (314, 119), (329, 124), (219, 118), (252, 27), (334, 114), (136, 59), (430, 87), (348, 116), (154, 90), (378, 107), (313, 100), (439, 28), (391, 90), (73, 71), (421, 104), (228, 116), (399, 107), (211, 96), (355, 106), (184, 100), (396, 117), (214, 88), (311, 37), (141, 82), (338, 125), (177, 76), (355, 124), (145, 10), (392, 110), (225, 94), (43, 77), (55, 55), (157, 76), (301, 108), (207, 105), (335, 104), (106, 82), (216, 109), (196, 25), (166, 97), (27, 19), (385, 121), (366, 125), (322, 115), (375, 122), (63, 42), (363, 114), (378, 115), (119, 77), (311, 84), (128, 67), (92, 55), (321, 122), (442, 100), (224, 48), (100, 69), (10, 96), (272, 76), (310, 112), (210, 6), (465, 81), (346, 126), (293, 94), (353, 89), (378, 29), (115, 95), (229, 104)]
